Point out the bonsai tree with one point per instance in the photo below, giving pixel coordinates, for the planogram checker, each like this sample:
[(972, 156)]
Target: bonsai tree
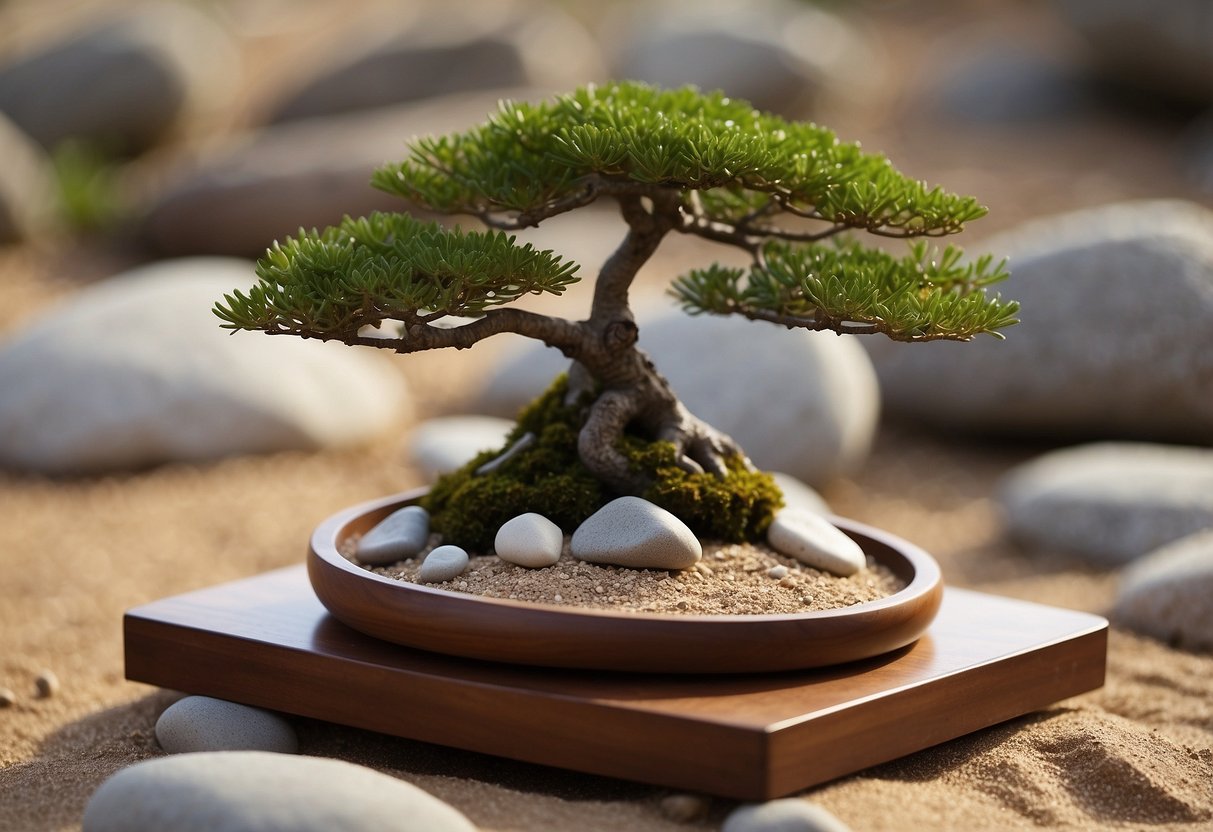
[(673, 161)]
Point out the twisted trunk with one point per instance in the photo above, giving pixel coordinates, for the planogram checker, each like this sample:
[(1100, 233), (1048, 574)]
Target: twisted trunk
[(631, 391)]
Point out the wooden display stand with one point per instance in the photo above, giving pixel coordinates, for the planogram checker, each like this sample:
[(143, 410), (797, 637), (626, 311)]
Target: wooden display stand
[(267, 641)]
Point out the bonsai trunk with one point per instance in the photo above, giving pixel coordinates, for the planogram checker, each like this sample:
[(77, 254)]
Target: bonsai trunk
[(631, 393)]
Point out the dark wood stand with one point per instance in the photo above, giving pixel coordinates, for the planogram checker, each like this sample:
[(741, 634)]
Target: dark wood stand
[(267, 641)]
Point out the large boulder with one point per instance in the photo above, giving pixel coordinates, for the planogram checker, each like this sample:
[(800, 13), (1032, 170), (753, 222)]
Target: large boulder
[(1164, 48), (136, 371), (805, 403), (1110, 502), (27, 193), (240, 196), (241, 791), (1117, 305), (779, 55), (122, 81), (447, 48), (1168, 594)]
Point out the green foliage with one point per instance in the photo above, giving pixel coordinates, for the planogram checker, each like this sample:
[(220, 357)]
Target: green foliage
[(388, 266), (927, 294), (549, 478), (528, 156), (86, 180)]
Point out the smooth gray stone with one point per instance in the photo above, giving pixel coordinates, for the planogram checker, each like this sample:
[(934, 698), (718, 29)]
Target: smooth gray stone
[(443, 564), (811, 412), (1168, 594), (778, 55), (629, 531), (443, 48), (788, 815), (27, 189), (400, 535), (122, 82), (242, 791), (201, 723), (1160, 47), (1110, 502), (246, 192), (440, 445), (529, 540), (804, 534), (1114, 300), (135, 371)]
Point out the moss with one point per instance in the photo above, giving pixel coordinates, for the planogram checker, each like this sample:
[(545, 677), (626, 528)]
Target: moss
[(549, 478)]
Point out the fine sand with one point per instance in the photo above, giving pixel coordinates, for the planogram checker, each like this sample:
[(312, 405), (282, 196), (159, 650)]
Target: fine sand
[(730, 579), (75, 554)]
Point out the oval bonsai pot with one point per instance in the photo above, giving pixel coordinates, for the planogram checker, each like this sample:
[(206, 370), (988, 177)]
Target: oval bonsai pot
[(501, 630)]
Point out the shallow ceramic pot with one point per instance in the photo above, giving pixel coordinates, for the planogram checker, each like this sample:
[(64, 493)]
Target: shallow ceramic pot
[(517, 632)]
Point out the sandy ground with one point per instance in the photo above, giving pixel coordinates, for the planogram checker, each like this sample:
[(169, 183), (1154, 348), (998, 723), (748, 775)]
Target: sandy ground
[(75, 554)]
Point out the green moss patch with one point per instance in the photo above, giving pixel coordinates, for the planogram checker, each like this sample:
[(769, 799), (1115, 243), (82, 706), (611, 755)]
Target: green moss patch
[(549, 478)]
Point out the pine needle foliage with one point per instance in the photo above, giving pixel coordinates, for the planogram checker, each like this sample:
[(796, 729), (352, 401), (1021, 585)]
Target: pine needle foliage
[(840, 285), (530, 156), (388, 266)]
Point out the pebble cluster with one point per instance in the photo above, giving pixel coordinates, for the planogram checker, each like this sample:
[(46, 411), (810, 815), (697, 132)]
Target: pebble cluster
[(730, 579)]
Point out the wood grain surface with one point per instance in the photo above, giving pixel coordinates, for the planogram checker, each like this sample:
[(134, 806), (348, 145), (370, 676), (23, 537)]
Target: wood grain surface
[(267, 641), (499, 629)]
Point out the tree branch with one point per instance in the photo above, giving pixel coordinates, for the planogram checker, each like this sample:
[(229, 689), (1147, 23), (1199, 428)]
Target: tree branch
[(838, 325), (567, 336)]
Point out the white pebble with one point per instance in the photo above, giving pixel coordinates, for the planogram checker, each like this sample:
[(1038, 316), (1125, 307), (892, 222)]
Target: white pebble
[(788, 815), (629, 531), (203, 723), (813, 540), (684, 808), (225, 791), (47, 684), (7, 697), (529, 540), (443, 564), (779, 571)]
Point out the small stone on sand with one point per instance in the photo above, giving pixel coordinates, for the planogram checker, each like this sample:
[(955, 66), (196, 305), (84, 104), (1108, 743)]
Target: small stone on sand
[(47, 684), (443, 564)]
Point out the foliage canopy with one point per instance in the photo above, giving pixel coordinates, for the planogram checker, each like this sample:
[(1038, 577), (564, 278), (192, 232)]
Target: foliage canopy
[(721, 169)]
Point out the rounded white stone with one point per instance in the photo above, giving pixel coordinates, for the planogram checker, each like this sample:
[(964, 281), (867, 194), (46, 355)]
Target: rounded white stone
[(135, 371), (797, 494), (202, 723), (529, 540), (441, 445), (777, 572), (788, 815), (401, 534), (1168, 594), (236, 791), (632, 532), (443, 564), (813, 540)]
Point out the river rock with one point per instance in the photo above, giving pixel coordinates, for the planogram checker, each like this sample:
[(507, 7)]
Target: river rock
[(122, 81), (135, 371), (246, 192), (1168, 594), (27, 189), (400, 535), (789, 815), (438, 446), (805, 403), (1086, 362), (804, 534), (201, 723), (451, 48), (629, 531), (238, 791), (778, 55), (1110, 502), (529, 540), (798, 495), (444, 563), (1160, 47)]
